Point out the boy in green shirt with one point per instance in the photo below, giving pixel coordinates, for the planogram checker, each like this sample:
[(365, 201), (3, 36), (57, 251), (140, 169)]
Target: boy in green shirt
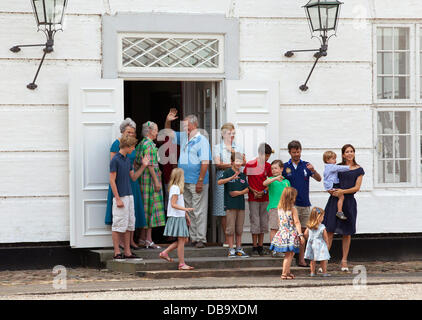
[(276, 185), (235, 188)]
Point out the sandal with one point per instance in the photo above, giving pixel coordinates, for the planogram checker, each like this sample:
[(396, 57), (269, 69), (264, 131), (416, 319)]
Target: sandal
[(118, 256), (185, 267), (286, 277), (165, 257), (151, 245), (292, 275), (141, 243), (344, 269)]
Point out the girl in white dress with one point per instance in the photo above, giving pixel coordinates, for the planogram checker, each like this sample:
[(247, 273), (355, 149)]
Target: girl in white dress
[(317, 249)]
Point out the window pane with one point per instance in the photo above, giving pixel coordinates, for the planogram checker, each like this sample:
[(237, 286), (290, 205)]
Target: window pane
[(385, 87), (402, 147), (401, 88), (385, 122), (401, 39), (384, 38), (385, 63), (401, 63), (402, 122), (402, 171), (386, 147), (385, 172), (420, 118)]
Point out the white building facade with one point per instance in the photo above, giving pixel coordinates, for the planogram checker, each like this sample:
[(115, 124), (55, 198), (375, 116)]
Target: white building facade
[(55, 139)]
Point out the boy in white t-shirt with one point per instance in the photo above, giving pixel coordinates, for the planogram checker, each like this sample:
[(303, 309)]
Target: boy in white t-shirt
[(178, 219)]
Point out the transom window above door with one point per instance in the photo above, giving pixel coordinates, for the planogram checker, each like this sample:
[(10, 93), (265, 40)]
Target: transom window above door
[(150, 52)]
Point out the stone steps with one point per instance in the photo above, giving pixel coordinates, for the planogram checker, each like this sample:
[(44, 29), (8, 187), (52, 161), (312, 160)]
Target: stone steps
[(208, 262), (104, 255), (226, 273)]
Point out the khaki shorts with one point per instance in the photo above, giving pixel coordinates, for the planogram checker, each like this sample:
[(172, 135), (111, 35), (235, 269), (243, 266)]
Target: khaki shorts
[(258, 217), (303, 213), (273, 219), (123, 218), (234, 221)]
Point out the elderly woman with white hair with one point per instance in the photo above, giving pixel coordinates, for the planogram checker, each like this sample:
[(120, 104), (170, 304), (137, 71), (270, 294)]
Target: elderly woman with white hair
[(150, 183), (127, 128)]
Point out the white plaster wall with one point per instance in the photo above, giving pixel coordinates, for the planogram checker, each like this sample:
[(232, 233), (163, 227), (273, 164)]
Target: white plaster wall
[(336, 109)]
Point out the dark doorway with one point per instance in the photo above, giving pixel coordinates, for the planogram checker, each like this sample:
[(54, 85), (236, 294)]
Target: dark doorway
[(150, 101)]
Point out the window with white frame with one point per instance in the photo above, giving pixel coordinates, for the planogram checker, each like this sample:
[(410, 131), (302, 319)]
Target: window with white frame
[(393, 63), (394, 147), (171, 52), (420, 62)]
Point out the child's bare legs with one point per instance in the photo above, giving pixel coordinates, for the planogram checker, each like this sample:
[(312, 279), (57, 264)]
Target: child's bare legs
[(181, 249), (324, 266), (254, 240), (127, 243), (223, 226), (287, 262), (340, 203), (170, 248), (230, 240), (260, 240), (340, 213), (312, 266), (116, 236), (238, 241), (272, 234)]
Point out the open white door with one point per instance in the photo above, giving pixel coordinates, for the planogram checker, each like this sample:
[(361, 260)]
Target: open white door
[(253, 107), (95, 112)]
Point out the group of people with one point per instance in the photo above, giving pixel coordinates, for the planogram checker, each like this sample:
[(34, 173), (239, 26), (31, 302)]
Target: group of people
[(278, 196)]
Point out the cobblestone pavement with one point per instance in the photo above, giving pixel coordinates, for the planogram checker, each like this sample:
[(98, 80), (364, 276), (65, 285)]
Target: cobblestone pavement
[(81, 275), (370, 292)]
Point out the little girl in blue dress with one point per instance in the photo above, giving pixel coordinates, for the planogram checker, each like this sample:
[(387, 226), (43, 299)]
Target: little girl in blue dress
[(317, 249)]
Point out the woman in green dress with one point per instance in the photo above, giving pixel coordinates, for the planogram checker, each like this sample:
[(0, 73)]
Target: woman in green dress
[(150, 184)]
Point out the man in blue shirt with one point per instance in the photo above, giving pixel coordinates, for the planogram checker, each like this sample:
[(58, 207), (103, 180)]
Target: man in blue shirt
[(195, 156), (298, 173)]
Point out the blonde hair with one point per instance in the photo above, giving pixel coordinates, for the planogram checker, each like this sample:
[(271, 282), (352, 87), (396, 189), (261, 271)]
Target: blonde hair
[(227, 126), (127, 142), (287, 199), (177, 178), (328, 155), (313, 222)]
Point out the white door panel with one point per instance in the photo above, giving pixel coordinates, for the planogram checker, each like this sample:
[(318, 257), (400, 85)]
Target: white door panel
[(95, 112), (253, 107)]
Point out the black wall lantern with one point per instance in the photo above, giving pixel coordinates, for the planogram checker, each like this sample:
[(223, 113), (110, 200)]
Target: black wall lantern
[(49, 16), (323, 18)]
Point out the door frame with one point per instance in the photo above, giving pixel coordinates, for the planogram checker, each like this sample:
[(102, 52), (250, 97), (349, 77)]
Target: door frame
[(216, 123)]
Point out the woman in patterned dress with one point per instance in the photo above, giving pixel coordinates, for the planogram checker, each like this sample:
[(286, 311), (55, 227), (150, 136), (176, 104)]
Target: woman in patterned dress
[(222, 160), (150, 184)]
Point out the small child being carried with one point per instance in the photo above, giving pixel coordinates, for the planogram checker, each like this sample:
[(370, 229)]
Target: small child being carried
[(331, 170)]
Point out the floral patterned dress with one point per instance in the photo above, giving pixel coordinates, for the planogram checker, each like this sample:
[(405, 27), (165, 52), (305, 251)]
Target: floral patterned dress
[(286, 239), (153, 201)]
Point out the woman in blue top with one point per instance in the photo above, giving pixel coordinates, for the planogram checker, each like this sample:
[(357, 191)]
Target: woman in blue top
[(127, 127), (350, 183)]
